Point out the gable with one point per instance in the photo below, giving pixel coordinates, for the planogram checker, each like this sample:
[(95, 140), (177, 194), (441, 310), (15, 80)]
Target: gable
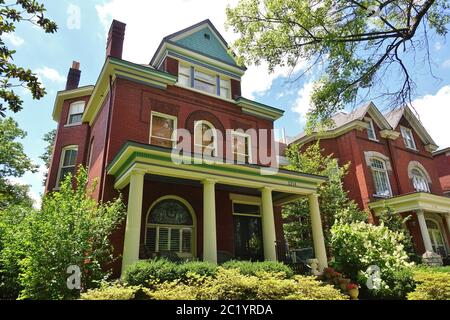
[(206, 41)]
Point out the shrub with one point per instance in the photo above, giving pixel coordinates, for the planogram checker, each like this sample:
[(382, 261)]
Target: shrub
[(252, 268), (230, 284), (198, 267), (359, 245), (159, 269), (431, 285), (114, 291)]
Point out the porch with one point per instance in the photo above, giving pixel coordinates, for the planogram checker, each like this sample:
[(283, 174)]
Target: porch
[(430, 223), (203, 209)]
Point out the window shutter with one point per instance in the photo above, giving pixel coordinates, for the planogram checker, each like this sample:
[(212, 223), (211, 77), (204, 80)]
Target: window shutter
[(151, 239), (163, 239), (186, 240)]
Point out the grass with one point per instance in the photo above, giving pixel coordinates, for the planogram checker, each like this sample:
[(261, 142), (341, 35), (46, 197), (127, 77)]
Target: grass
[(445, 269)]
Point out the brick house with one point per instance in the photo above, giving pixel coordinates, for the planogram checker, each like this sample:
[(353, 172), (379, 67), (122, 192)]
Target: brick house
[(218, 200), (392, 165)]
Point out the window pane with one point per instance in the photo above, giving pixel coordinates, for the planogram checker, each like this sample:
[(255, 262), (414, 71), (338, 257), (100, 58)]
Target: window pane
[(163, 239), (205, 77), (171, 212), (175, 240), (151, 238), (186, 240), (75, 118), (162, 127), (248, 242), (70, 157), (224, 92), (65, 171), (246, 208), (184, 80), (204, 86), (370, 131)]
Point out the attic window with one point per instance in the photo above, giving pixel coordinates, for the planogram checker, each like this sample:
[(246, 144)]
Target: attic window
[(207, 36)]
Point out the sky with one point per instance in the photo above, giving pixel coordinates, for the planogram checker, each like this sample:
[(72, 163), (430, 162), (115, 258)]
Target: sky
[(81, 36)]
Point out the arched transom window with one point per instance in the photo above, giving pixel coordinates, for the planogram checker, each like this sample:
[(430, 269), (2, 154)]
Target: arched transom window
[(170, 227), (205, 138), (380, 177), (419, 180)]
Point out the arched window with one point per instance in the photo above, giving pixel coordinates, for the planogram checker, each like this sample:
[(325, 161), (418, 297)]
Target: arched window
[(205, 138), (419, 180), (380, 177), (437, 241), (170, 227)]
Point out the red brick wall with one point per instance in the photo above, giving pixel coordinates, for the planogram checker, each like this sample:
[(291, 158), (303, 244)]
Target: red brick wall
[(66, 136), (442, 163)]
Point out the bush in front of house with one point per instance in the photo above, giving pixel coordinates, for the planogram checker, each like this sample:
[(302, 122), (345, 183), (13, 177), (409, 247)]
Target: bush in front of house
[(226, 284), (159, 269), (252, 268), (359, 245), (431, 285)]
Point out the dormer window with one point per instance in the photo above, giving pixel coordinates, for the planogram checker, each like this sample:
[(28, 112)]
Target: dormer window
[(76, 110), (204, 80), (371, 130), (408, 138)]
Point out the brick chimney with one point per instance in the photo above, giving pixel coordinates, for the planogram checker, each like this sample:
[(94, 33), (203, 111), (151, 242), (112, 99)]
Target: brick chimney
[(114, 44), (73, 77)]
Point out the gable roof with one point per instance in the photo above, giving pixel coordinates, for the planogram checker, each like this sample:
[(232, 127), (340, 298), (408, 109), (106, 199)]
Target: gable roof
[(201, 38), (394, 117), (344, 122)]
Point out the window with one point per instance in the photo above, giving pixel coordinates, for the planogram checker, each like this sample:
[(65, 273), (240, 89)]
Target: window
[(437, 241), (204, 82), (162, 128), (225, 91), (241, 146), (184, 75), (371, 130), (419, 180), (205, 138), (170, 227), (408, 138), (380, 177), (67, 163), (76, 110), (248, 242)]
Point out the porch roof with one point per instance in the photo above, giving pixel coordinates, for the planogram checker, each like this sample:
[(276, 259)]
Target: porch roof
[(164, 162), (411, 202)]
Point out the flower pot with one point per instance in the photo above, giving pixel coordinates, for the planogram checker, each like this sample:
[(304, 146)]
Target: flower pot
[(353, 293)]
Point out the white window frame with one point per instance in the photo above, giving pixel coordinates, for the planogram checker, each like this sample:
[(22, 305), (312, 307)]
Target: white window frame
[(61, 162), (71, 112), (214, 131), (371, 128), (213, 82), (175, 126), (227, 87), (185, 66), (416, 183), (386, 175), (405, 132), (250, 149)]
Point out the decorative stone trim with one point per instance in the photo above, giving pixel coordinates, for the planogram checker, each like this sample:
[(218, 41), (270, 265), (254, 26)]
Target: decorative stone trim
[(415, 164), (389, 134), (373, 154)]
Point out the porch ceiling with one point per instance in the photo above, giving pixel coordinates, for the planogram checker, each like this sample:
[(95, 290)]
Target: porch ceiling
[(412, 202), (158, 161)]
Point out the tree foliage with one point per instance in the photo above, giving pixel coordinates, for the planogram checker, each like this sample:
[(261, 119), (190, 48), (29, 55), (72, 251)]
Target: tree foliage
[(49, 139), (333, 200), (11, 75), (13, 163), (353, 45), (71, 229)]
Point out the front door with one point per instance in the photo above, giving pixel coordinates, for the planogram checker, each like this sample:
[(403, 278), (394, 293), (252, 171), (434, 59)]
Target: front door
[(248, 238), (437, 241)]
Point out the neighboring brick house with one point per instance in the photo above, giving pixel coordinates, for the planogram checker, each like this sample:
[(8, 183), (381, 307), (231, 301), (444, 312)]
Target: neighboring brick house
[(123, 129), (392, 165), (442, 160)]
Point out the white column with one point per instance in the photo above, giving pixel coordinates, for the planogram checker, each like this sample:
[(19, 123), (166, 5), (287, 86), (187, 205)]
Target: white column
[(317, 232), (209, 221), (447, 219), (133, 224), (268, 225), (424, 231)]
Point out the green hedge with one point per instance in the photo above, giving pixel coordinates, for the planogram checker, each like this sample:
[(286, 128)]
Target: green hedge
[(252, 268), (431, 285)]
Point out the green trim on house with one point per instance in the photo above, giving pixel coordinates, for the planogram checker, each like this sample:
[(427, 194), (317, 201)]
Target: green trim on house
[(259, 109), (411, 202), (69, 94)]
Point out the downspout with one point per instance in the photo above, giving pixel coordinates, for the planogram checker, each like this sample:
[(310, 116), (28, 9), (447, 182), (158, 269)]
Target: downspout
[(108, 125)]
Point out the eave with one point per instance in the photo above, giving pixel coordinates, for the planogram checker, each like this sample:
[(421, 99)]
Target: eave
[(258, 109), (61, 96), (115, 68), (413, 202)]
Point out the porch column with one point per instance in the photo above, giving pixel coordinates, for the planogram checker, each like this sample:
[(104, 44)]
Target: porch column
[(317, 232), (209, 221), (447, 219), (424, 231), (134, 215), (268, 225)]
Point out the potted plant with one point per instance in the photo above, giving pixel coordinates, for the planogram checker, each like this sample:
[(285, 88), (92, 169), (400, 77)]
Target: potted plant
[(343, 283), (336, 277), (328, 272), (353, 291)]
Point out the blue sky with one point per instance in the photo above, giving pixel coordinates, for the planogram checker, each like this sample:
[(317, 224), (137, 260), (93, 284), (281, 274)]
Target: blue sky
[(82, 37)]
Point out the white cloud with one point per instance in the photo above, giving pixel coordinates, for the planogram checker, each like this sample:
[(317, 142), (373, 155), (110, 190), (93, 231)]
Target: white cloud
[(143, 35), (434, 113), (37, 199), (14, 39), (50, 74), (438, 46), (446, 63), (73, 17), (303, 102)]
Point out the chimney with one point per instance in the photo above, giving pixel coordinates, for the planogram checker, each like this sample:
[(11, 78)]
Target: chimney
[(73, 77), (114, 44)]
